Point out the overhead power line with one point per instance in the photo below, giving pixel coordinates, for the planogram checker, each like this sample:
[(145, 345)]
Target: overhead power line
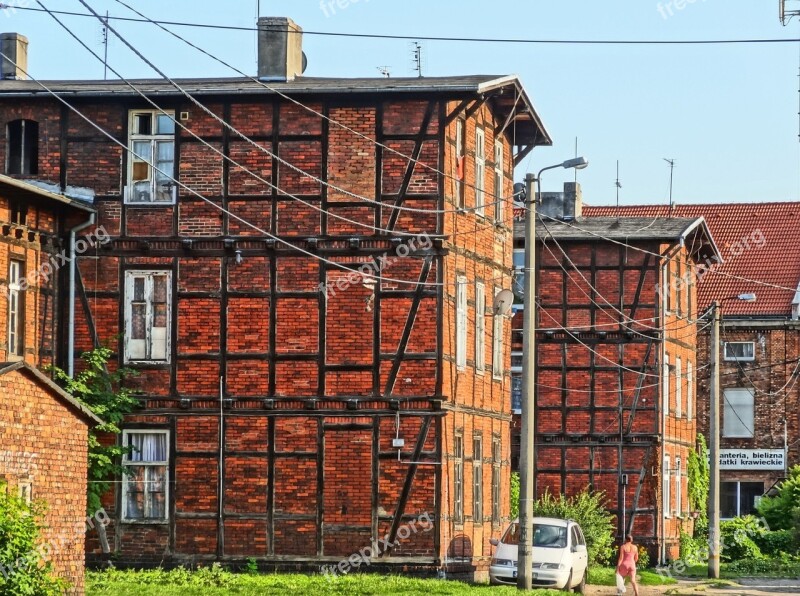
[(510, 40)]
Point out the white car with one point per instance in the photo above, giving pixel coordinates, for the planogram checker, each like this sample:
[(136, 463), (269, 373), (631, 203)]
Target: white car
[(560, 558)]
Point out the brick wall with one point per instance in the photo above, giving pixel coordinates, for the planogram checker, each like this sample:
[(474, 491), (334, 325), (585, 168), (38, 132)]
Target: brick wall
[(45, 444)]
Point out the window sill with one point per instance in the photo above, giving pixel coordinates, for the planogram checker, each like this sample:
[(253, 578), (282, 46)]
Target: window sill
[(145, 522), (150, 204)]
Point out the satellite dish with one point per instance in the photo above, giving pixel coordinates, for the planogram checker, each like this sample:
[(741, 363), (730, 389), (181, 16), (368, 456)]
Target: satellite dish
[(503, 303), (305, 63)]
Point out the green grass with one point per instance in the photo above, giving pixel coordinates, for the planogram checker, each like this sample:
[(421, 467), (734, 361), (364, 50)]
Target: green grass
[(216, 582), (769, 568), (605, 576)]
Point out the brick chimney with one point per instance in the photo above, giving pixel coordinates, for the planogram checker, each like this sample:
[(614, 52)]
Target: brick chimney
[(564, 206), (15, 47), (280, 49)]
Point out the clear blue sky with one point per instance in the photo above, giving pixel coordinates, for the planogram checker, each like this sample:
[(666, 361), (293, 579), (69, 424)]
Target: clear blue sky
[(726, 114)]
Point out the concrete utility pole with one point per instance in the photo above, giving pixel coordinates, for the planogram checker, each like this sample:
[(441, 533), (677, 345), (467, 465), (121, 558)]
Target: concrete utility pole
[(526, 451), (713, 451)]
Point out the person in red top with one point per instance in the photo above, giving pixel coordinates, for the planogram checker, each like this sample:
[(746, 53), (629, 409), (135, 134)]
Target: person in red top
[(626, 565)]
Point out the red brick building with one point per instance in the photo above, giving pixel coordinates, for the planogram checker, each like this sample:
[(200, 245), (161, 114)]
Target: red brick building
[(43, 431), (319, 361), (760, 341), (616, 361)]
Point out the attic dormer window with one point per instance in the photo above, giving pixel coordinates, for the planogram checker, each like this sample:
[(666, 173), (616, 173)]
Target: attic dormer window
[(22, 150)]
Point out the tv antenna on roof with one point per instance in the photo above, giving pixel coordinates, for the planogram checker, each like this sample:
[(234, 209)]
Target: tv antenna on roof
[(788, 10), (618, 184), (385, 71), (671, 163), (417, 58)]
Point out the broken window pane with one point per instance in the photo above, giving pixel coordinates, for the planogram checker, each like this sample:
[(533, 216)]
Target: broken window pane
[(143, 124)]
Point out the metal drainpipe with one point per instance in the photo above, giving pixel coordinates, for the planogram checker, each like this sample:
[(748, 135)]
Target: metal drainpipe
[(71, 333)]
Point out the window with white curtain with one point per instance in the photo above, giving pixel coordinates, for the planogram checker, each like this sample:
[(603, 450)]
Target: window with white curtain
[(689, 391), (665, 381), (678, 388), (666, 493), (461, 151), (480, 171), (497, 343), (678, 487), (152, 158), (16, 310), (738, 413), (145, 485), (461, 321), (480, 327)]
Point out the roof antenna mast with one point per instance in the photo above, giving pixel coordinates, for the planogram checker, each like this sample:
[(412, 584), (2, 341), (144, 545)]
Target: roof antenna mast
[(671, 163), (618, 184), (105, 45), (417, 58)]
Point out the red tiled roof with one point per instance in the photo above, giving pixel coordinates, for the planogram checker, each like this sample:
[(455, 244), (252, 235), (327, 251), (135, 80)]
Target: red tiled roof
[(758, 241)]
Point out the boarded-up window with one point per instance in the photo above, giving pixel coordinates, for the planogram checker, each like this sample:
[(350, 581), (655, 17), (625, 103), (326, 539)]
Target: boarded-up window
[(22, 142)]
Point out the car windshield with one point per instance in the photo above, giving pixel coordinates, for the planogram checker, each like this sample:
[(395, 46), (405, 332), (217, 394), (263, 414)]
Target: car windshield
[(544, 535)]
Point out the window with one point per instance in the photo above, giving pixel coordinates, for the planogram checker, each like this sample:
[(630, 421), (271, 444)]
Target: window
[(499, 181), (689, 391), (516, 393), (26, 490), (678, 487), (480, 327), (16, 310), (666, 290), (19, 212), (496, 463), (147, 316), (145, 484), (461, 321), (458, 480), (477, 479), (666, 385), (678, 388), (519, 272), (480, 171), (740, 351), (461, 152), (739, 498), (738, 413), (22, 148), (152, 158), (497, 344), (666, 501)]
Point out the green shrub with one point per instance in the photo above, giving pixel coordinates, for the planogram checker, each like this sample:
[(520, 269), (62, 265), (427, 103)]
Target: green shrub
[(644, 558), (24, 568), (588, 509), (693, 550), (514, 495), (782, 509), (776, 542), (697, 470), (738, 538)]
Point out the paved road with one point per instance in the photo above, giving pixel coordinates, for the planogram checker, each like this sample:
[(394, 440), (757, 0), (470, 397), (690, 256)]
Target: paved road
[(753, 587)]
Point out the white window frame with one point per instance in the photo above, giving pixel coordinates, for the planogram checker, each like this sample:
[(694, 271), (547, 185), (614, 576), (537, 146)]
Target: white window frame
[(733, 358), (497, 343), (461, 322), (499, 181), (689, 391), (149, 339), (678, 388), (16, 310), (738, 413), (480, 327), (666, 387), (477, 479), (497, 459), (666, 489), (461, 126), (154, 139), (678, 487), (458, 479), (125, 478), (480, 171)]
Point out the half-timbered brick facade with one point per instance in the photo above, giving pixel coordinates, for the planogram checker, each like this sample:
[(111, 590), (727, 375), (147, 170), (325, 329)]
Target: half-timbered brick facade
[(319, 363)]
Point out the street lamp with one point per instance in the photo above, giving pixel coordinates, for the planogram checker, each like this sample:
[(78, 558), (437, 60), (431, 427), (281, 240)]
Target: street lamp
[(526, 461), (714, 419)]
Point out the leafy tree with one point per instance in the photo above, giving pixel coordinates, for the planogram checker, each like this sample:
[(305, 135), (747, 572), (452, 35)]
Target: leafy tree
[(105, 394), (782, 511), (514, 495), (24, 568)]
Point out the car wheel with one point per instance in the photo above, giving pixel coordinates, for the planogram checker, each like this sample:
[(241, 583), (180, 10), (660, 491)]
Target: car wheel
[(581, 587)]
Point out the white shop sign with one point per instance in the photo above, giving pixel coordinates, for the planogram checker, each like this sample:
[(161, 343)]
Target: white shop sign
[(751, 459)]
